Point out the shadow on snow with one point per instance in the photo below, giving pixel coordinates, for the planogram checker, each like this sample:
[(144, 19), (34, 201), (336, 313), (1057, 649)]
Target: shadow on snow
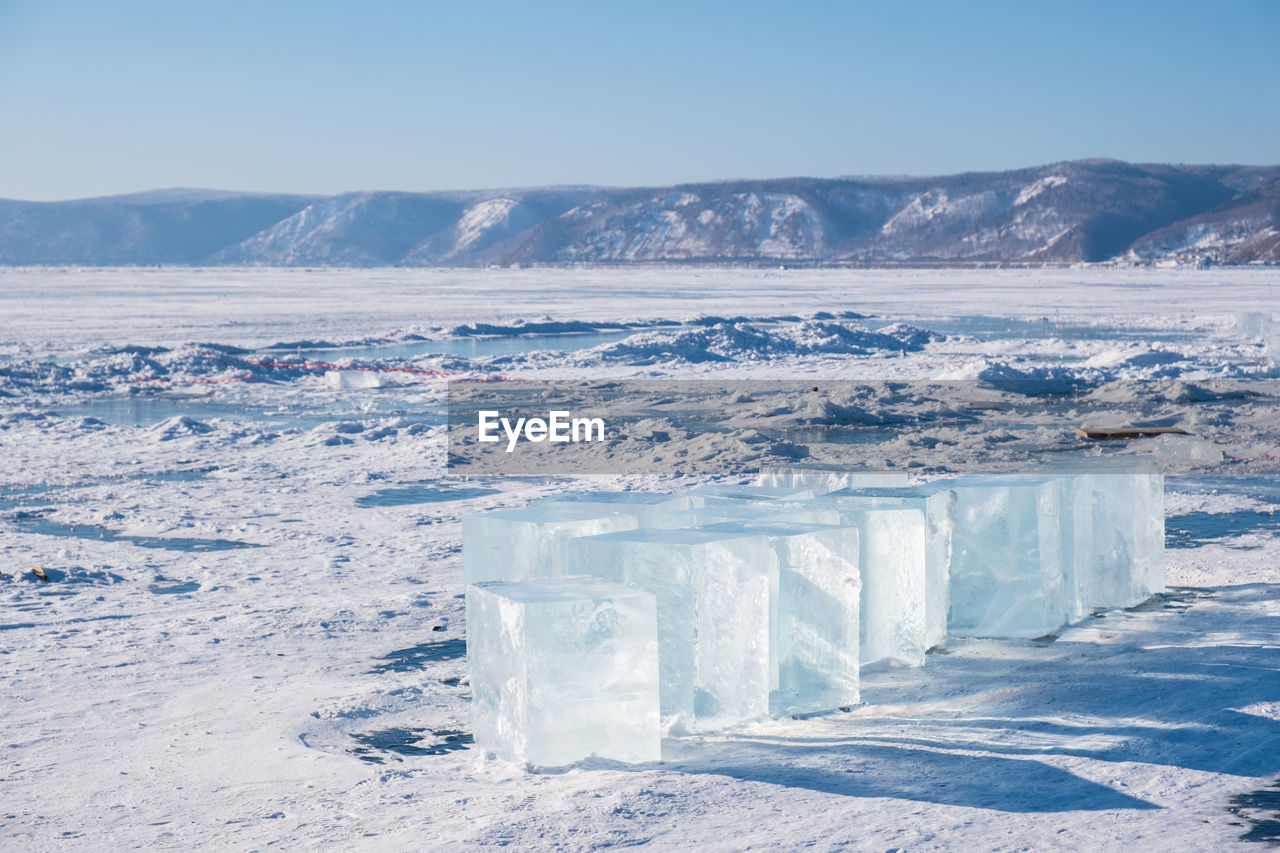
[(1170, 692), (415, 657)]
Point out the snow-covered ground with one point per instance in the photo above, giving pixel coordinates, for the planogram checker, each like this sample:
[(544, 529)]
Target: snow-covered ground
[(252, 632)]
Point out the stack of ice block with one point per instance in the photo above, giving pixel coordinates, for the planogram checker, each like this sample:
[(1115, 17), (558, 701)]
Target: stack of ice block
[(892, 563), (713, 594), (937, 503), (563, 669), (1012, 565), (823, 478), (513, 544), (768, 600)]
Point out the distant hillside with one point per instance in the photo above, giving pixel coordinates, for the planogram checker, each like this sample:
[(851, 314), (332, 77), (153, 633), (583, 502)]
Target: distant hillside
[(1083, 211)]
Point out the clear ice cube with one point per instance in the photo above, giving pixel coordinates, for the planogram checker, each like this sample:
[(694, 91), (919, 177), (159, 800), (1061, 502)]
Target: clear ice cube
[(563, 669), (647, 507), (713, 592), (1118, 529), (512, 544), (1253, 324), (892, 563), (814, 615), (938, 505), (1012, 561)]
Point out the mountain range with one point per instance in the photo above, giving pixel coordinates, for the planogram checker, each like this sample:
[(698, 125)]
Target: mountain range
[(1081, 211)]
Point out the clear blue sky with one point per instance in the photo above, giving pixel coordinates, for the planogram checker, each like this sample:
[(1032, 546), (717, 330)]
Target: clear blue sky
[(107, 97)]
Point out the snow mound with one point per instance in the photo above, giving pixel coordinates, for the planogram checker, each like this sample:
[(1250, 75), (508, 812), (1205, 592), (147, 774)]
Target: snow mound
[(722, 342), (1032, 381), (1139, 357), (544, 326), (737, 341), (178, 426)]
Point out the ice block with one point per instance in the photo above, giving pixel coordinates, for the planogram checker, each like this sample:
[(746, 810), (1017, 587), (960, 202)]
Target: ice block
[(712, 589), (563, 669), (717, 511), (1012, 561), (352, 379), (1118, 529), (938, 505), (1254, 324), (647, 507), (700, 496), (892, 564), (814, 615), (512, 544)]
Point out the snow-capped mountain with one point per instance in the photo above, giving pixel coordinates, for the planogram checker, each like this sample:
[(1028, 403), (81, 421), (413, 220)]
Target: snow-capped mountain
[(1081, 211)]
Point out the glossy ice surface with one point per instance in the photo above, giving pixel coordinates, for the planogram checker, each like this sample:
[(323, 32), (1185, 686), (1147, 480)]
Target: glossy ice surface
[(563, 669), (513, 544), (647, 507), (713, 595), (814, 614), (1012, 562), (938, 505)]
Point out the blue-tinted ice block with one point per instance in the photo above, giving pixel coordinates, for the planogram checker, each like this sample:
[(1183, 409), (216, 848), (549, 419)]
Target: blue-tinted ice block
[(715, 509), (1118, 529), (647, 507), (938, 505), (814, 615), (563, 669), (713, 615), (513, 544), (1012, 560), (702, 495), (823, 478), (719, 510), (892, 547), (892, 563)]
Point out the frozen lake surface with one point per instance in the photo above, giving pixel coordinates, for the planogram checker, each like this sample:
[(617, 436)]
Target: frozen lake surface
[(253, 632)]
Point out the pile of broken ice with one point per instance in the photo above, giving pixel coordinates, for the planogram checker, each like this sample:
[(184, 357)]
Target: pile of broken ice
[(598, 621)]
